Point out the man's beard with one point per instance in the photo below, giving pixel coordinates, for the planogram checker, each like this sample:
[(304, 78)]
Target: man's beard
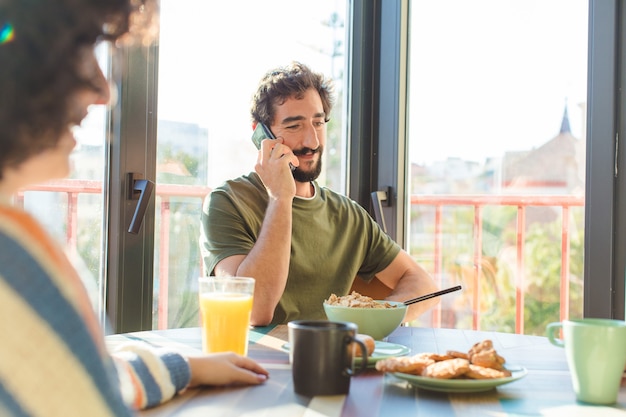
[(301, 175)]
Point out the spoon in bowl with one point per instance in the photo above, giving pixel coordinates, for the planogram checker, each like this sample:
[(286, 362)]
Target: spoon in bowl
[(431, 295)]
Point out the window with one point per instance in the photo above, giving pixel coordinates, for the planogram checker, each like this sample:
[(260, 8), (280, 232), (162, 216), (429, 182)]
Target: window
[(208, 68), (73, 209), (380, 133), (604, 263), (497, 141)]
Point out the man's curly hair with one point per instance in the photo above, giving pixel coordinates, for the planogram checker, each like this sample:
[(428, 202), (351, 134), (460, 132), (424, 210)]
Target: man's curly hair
[(39, 65), (282, 83)]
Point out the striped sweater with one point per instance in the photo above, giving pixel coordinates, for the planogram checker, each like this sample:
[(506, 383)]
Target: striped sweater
[(53, 360)]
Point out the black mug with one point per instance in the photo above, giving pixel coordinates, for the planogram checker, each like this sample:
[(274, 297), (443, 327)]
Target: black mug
[(320, 354)]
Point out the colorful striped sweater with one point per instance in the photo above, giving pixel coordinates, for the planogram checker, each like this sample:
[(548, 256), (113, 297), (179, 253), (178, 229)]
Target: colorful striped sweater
[(53, 360)]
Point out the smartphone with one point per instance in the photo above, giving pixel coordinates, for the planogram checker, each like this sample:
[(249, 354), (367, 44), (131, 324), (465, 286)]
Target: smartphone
[(261, 132)]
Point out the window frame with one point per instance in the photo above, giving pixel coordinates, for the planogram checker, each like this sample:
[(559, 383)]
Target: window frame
[(376, 122), (605, 182), (129, 258)]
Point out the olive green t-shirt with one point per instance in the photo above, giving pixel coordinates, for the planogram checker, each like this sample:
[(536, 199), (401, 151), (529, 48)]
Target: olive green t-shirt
[(333, 240)]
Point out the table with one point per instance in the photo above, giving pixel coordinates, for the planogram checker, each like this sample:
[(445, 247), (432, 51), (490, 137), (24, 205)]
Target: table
[(545, 391)]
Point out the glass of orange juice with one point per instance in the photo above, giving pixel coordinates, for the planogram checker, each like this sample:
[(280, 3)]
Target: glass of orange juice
[(225, 308)]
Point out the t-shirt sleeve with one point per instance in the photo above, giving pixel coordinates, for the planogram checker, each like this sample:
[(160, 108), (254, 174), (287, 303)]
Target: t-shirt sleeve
[(227, 228)]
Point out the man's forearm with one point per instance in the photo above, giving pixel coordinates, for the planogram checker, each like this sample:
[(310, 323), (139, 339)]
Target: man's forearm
[(413, 285), (409, 280), (268, 261)]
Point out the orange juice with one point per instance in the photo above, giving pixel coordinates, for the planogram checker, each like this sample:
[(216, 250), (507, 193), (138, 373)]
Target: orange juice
[(225, 321)]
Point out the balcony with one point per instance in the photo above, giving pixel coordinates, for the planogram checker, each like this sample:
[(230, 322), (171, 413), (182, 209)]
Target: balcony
[(435, 204)]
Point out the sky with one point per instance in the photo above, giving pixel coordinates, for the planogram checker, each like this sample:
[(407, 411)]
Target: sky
[(486, 76), (224, 50), (212, 55), (489, 76)]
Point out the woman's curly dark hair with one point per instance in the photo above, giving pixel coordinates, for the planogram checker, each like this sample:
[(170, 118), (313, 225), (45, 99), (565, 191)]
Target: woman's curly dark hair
[(290, 81), (40, 55)]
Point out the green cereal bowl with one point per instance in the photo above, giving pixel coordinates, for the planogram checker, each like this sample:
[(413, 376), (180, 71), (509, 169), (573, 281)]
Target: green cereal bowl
[(376, 322)]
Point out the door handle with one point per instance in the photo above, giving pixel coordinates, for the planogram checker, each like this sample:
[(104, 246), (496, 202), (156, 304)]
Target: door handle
[(138, 189), (378, 197)]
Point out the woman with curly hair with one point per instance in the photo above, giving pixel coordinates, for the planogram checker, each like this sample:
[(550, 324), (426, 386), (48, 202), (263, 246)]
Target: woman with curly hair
[(53, 360)]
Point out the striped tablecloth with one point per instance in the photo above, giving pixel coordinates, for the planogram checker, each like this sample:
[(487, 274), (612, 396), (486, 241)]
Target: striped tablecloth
[(545, 391)]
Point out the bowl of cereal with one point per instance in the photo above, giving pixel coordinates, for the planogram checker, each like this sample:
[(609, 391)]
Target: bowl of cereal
[(377, 318)]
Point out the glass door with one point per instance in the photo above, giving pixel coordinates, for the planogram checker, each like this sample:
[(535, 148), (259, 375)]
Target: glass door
[(497, 143), (72, 209), (211, 56)]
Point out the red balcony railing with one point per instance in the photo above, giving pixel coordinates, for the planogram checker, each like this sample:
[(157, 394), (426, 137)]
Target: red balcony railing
[(73, 188), (522, 202)]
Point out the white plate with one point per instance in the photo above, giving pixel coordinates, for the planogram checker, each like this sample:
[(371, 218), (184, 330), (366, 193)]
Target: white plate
[(382, 350), (461, 385)]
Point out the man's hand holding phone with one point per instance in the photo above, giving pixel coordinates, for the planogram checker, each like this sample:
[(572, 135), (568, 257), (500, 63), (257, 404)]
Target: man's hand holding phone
[(270, 165), (261, 132)]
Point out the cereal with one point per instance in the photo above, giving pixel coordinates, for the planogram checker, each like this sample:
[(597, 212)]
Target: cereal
[(356, 300), (480, 362)]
